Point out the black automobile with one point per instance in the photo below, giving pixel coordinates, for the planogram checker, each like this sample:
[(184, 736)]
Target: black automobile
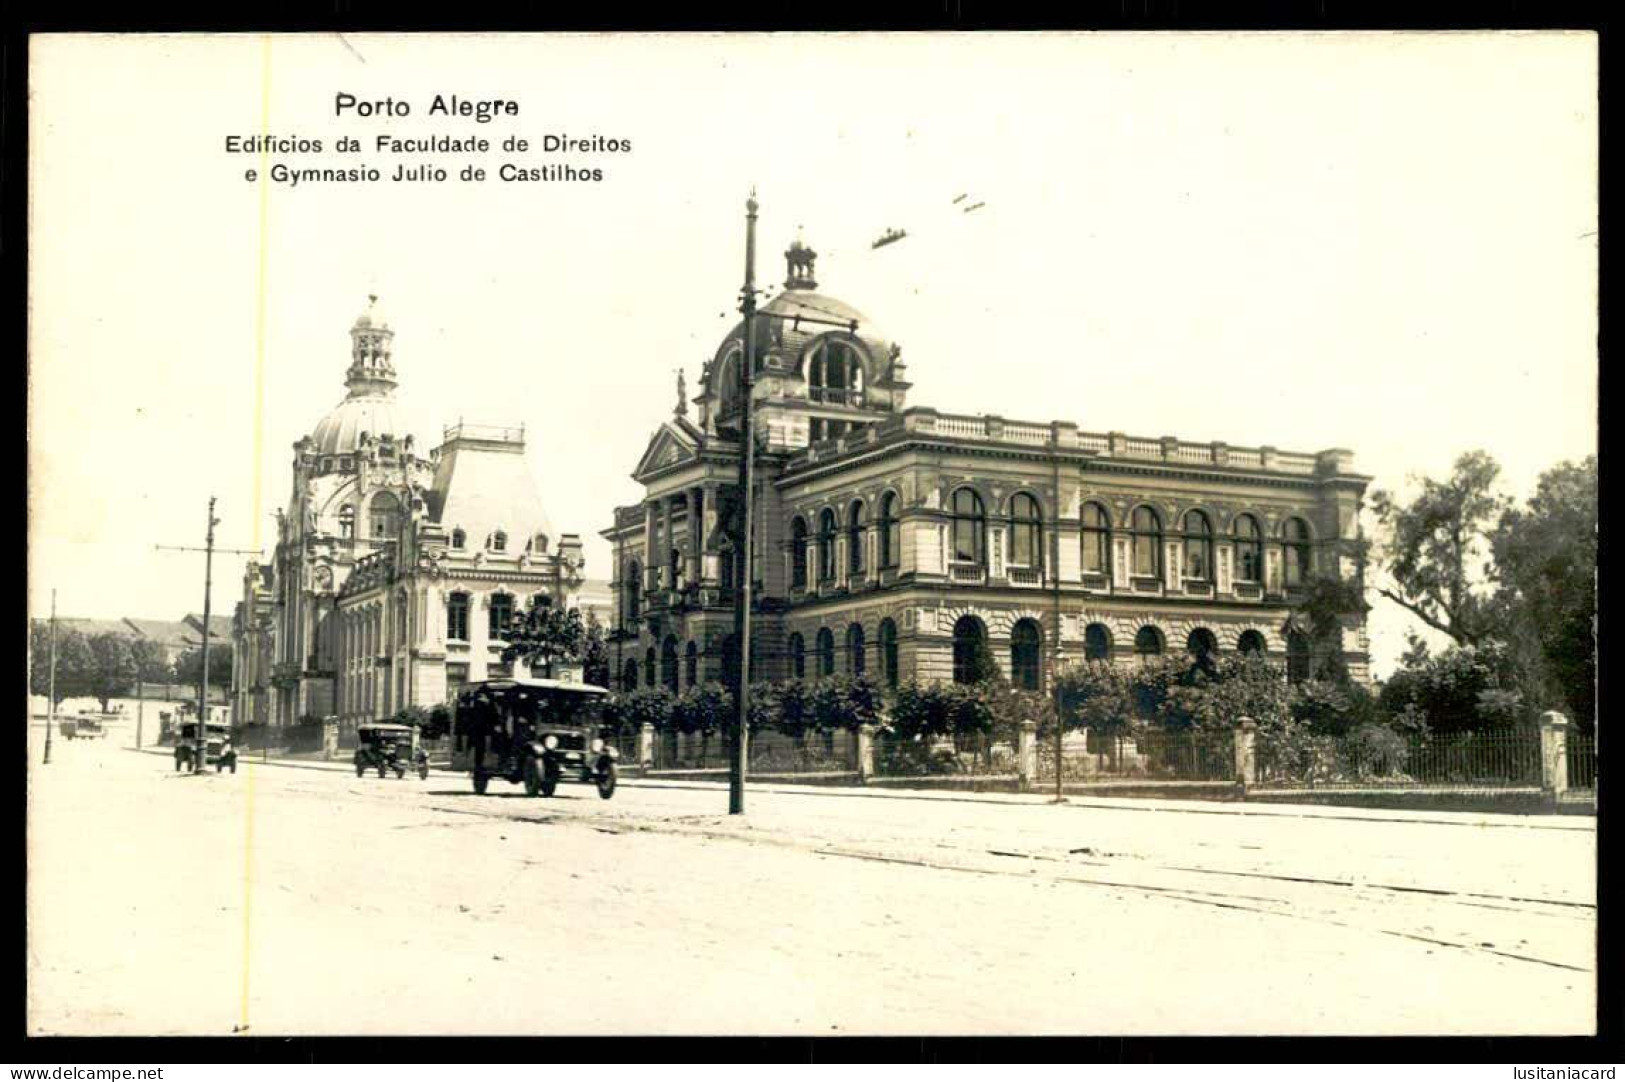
[(215, 749), (533, 732), (387, 747)]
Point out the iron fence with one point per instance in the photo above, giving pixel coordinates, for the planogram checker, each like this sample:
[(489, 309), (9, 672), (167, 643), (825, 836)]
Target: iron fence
[(972, 754), (1146, 755), (1383, 759), (1582, 749), (770, 752)]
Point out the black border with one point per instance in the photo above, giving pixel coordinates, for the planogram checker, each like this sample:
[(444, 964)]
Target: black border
[(34, 16)]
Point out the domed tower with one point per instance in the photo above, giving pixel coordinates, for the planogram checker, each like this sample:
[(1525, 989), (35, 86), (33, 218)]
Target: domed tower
[(822, 367)]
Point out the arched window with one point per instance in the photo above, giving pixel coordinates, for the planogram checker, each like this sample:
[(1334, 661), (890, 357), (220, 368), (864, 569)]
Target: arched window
[(459, 539), (970, 638), (1299, 553), (498, 541), (888, 652), (691, 664), (1297, 657), (1145, 528), (798, 553), (1249, 549), (891, 543), (538, 544), (1024, 651), (347, 521), (668, 663), (501, 614), (632, 587), (1203, 646), (1097, 643), (730, 662), (1097, 540), (1148, 643), (854, 539), (970, 527), (1198, 546), (649, 670), (826, 652), (854, 649), (835, 373), (1026, 531), (826, 545), (798, 657), (384, 512), (674, 566), (402, 627), (1251, 644), (629, 675), (457, 617), (727, 384)]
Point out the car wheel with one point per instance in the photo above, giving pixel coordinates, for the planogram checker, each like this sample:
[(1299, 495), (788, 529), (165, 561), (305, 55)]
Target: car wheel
[(606, 782), (360, 768), (180, 764), (423, 771), (234, 766), (550, 779), (400, 772), (480, 781), (533, 778)]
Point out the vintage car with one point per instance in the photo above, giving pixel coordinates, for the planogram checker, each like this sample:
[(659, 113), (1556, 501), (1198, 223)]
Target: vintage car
[(535, 732), (216, 749), (83, 727), (390, 747)]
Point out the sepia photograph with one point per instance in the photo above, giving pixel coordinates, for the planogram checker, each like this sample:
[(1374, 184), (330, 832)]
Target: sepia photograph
[(812, 534)]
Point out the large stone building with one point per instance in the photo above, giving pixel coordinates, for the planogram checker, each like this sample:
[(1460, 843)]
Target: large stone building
[(394, 575), (889, 538)]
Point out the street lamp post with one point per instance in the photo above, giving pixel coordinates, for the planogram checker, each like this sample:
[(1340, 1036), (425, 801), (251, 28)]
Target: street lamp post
[(739, 748), (1060, 723)]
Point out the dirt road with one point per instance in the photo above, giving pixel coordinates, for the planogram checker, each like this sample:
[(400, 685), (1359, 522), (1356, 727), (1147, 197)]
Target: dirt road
[(298, 899)]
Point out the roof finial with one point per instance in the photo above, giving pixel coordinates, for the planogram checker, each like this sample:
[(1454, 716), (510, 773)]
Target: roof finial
[(682, 396)]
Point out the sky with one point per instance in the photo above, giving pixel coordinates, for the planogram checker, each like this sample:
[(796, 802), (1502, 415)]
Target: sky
[(1382, 242)]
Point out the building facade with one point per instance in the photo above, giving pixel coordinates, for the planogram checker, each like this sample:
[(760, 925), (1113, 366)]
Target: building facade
[(889, 538), (394, 575)]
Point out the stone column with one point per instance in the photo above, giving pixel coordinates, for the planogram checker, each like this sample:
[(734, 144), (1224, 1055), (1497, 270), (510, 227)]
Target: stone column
[(646, 746), (667, 543), (695, 513), (709, 571), (864, 753), (1027, 755), (1554, 754), (1246, 736), (651, 562)]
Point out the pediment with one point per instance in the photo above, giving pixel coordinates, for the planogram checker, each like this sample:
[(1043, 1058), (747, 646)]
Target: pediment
[(669, 447)]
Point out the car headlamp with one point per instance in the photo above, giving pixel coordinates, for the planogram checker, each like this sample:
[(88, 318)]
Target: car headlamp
[(597, 745), (550, 742)]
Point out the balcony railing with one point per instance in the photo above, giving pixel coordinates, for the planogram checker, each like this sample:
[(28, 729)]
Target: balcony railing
[(1026, 576), (962, 572), (835, 396)]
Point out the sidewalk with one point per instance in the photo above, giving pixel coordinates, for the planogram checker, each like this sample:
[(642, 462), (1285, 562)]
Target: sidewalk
[(1274, 810)]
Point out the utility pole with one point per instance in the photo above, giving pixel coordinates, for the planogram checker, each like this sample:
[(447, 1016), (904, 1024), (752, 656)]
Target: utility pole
[(50, 691), (739, 749), (208, 551)]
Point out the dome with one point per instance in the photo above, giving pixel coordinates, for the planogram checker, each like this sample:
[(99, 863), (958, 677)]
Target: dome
[(789, 341), (339, 433)]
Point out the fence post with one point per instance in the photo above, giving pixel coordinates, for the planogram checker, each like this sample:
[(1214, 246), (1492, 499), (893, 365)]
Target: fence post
[(646, 745), (864, 753), (1027, 754), (1554, 755), (1246, 754)]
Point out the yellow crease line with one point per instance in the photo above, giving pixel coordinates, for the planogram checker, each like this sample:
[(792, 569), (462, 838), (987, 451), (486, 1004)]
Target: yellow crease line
[(259, 428)]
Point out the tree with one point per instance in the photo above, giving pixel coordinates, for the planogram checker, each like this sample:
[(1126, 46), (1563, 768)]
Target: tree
[(1328, 602), (1546, 564), (151, 667), (1464, 688), (1096, 695), (1438, 546), (595, 653), (544, 635), (73, 661), (189, 666)]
